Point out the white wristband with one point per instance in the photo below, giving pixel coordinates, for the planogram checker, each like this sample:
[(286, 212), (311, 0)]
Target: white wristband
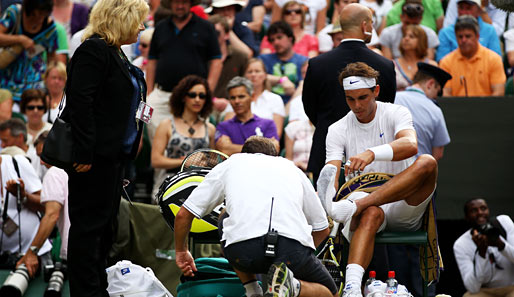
[(382, 152)]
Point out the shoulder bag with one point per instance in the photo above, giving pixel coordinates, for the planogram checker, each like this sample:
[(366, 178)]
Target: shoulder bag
[(58, 147)]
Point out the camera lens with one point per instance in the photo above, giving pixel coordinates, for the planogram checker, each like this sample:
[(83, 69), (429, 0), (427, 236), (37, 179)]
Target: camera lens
[(55, 284), (16, 283)]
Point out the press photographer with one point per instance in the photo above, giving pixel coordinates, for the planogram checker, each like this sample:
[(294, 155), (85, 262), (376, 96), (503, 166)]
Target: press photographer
[(485, 253)]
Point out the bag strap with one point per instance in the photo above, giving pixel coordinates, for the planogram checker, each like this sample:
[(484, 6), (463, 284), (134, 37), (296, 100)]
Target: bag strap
[(494, 221)]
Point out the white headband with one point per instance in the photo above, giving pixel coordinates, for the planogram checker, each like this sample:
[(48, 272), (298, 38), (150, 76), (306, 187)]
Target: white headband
[(358, 82)]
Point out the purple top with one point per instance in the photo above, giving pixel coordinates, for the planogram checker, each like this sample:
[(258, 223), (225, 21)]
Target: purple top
[(239, 132), (79, 17)]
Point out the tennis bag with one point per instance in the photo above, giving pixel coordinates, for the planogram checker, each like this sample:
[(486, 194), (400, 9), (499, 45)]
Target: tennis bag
[(175, 190), (215, 277)]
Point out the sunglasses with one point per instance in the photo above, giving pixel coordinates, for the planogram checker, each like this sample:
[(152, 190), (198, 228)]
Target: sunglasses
[(143, 45), (32, 107), (291, 11), (193, 95)]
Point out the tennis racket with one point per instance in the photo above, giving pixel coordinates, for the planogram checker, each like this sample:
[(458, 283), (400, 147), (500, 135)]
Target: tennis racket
[(330, 257), (203, 159)]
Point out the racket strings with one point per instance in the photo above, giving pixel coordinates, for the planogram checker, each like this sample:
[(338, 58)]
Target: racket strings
[(203, 159)]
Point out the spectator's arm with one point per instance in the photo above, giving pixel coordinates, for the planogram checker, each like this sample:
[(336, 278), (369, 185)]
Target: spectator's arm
[(498, 90), (474, 269), (431, 53), (215, 66), (289, 143), (237, 43), (510, 58), (150, 74), (447, 92), (276, 12), (508, 225), (225, 145), (288, 85), (33, 201), (387, 52), (258, 13), (439, 23), (279, 123), (160, 141), (321, 18)]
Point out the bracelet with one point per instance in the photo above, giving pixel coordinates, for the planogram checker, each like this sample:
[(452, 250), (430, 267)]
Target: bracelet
[(281, 79), (382, 152)]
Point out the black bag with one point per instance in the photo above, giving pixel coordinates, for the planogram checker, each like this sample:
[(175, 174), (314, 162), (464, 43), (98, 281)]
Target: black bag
[(58, 148)]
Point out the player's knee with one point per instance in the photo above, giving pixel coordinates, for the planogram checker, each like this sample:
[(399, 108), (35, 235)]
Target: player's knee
[(427, 164), (372, 217)]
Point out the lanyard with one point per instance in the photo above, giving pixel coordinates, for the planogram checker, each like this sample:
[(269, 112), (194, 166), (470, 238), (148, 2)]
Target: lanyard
[(127, 63), (410, 89)]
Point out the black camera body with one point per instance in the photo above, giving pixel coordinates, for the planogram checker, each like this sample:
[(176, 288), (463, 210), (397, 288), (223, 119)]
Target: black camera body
[(8, 260), (491, 232)]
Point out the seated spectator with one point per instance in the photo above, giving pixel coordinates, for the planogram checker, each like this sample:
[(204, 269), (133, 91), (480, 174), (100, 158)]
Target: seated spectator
[(284, 66), (305, 44), (241, 37), (489, 14), (412, 11), (234, 60), (413, 49), (188, 128), (298, 142), (6, 104), (144, 47), (231, 134), (486, 262), (54, 197), (380, 8), (475, 69), (315, 10), (265, 104), (33, 105), (72, 15), (433, 14), (252, 15), (55, 81), (509, 46), (488, 37)]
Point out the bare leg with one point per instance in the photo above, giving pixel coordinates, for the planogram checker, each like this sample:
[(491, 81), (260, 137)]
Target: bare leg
[(245, 276), (314, 290), (363, 240), (413, 185)]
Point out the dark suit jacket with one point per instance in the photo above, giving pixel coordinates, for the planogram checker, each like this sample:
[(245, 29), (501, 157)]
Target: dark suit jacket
[(323, 97), (99, 93)]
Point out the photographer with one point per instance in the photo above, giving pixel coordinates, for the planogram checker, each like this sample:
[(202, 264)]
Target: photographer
[(54, 197), (485, 253)]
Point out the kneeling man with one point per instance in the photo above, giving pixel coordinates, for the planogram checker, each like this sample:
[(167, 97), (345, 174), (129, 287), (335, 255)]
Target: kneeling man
[(374, 137), (267, 197)]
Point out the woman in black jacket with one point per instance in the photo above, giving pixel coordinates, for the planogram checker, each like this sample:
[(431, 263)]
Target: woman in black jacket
[(103, 93)]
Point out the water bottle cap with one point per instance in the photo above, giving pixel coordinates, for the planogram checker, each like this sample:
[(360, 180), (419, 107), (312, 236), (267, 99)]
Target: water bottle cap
[(372, 274), (390, 274)]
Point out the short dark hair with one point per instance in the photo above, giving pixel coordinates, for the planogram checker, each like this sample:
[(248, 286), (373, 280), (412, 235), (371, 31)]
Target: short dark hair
[(421, 77), (16, 126), (30, 95), (41, 138), (280, 27), (467, 22), (258, 144), (179, 93), (29, 6)]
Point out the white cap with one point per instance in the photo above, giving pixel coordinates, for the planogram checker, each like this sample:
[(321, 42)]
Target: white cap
[(477, 2), (224, 3)]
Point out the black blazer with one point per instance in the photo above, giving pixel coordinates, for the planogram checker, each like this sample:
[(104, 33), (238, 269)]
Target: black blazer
[(323, 97), (99, 93)]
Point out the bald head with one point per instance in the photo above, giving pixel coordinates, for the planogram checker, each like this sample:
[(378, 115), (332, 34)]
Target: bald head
[(352, 20)]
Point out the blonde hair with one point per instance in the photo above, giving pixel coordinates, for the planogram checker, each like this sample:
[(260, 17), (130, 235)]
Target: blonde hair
[(57, 65), (116, 21)]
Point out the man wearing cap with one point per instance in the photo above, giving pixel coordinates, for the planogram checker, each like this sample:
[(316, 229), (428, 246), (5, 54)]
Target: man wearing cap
[(412, 12), (489, 14), (323, 97), (182, 44), (432, 135), (433, 14), (241, 36), (475, 69), (369, 138), (488, 36)]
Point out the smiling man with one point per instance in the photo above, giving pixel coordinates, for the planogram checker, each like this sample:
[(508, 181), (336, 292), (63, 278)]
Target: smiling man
[(369, 138)]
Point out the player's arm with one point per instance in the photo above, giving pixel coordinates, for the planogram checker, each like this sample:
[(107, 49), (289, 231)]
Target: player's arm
[(404, 146), (184, 260)]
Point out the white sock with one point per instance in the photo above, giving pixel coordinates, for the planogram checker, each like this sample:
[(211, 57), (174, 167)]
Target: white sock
[(253, 288), (354, 274), (343, 210), (296, 287)]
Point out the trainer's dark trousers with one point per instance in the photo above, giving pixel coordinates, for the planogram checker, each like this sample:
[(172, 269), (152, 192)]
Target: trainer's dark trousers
[(94, 199)]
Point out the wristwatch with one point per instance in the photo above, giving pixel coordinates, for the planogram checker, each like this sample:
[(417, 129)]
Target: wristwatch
[(34, 249)]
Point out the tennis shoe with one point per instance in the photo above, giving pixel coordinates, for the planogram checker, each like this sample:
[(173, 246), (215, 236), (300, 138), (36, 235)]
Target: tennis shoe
[(352, 290), (280, 281)]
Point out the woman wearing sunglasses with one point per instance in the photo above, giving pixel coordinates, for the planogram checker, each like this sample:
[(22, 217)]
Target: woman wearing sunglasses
[(305, 44), (188, 129), (33, 106)]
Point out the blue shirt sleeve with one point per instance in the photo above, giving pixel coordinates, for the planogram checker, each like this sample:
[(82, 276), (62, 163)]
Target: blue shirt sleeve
[(447, 42)]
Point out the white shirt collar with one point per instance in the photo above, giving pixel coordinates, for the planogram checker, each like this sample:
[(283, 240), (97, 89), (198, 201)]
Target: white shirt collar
[(352, 39)]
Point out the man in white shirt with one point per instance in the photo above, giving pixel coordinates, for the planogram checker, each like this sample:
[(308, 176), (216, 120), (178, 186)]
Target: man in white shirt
[(369, 137), (264, 195), (485, 253)]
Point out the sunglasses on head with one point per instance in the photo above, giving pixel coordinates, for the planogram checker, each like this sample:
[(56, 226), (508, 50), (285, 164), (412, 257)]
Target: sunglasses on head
[(32, 107), (291, 11), (193, 95)]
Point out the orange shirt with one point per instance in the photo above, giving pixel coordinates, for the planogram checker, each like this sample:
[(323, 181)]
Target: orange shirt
[(477, 74)]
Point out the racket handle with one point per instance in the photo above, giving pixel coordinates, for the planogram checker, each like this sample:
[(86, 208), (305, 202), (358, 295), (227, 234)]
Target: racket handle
[(333, 233)]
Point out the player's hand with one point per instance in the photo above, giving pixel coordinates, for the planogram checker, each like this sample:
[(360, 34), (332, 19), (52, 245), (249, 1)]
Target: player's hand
[(31, 261), (358, 162), (186, 263), (11, 187), (481, 241)]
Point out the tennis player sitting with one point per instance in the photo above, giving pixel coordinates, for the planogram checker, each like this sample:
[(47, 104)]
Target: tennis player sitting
[(374, 137), (273, 217)]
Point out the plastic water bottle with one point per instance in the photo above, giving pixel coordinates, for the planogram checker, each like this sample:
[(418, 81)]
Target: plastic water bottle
[(372, 277), (377, 288), (392, 283)]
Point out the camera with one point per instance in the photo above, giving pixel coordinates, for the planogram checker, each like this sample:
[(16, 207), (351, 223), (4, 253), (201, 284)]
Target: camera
[(489, 230), (56, 275), (16, 283), (8, 260)]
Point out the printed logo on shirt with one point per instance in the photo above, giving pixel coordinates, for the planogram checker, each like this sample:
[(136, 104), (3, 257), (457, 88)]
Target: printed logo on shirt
[(125, 271), (381, 134), (258, 131)]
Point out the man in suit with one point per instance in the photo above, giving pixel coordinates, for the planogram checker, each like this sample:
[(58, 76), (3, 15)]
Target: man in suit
[(323, 97)]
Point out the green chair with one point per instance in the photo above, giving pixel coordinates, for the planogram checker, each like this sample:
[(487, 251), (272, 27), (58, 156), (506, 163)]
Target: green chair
[(509, 86)]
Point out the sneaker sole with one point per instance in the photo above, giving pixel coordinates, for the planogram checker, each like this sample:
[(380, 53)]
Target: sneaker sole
[(278, 277)]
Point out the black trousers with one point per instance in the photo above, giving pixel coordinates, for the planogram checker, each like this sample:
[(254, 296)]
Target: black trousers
[(94, 199)]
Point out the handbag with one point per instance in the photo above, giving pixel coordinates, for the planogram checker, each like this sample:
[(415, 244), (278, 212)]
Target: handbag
[(10, 53), (58, 147)]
